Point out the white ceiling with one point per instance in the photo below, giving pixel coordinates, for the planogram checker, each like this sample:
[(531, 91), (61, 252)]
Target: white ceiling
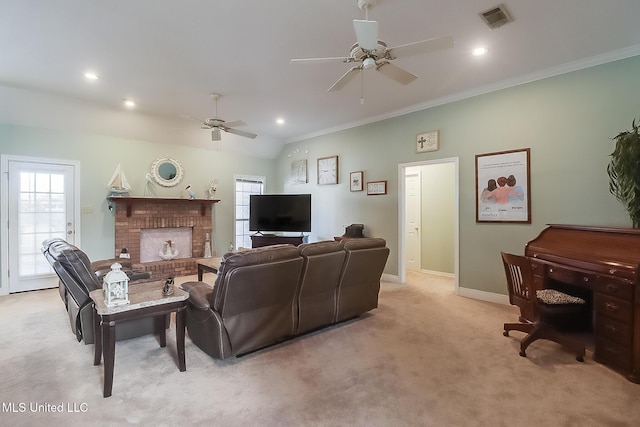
[(169, 55)]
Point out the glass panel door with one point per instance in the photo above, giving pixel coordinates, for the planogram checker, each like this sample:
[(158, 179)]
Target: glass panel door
[(40, 207)]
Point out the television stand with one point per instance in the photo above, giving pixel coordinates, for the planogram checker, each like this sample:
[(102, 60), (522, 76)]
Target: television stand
[(258, 241)]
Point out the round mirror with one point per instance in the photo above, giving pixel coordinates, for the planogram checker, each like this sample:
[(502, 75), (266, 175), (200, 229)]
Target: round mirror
[(167, 171)]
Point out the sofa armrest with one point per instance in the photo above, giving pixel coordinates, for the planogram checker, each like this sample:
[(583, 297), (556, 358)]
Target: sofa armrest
[(199, 294)]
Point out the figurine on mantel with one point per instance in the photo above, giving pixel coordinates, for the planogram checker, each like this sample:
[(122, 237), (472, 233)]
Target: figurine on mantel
[(192, 195), (213, 187), (118, 184), (149, 187)]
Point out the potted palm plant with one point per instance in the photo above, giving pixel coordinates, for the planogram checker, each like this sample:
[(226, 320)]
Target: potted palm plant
[(624, 172)]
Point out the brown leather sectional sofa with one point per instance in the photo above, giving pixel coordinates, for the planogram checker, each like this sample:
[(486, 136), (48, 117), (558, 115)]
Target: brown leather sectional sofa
[(267, 295)]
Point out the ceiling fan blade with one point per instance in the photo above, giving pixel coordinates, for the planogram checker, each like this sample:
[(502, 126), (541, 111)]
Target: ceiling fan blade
[(192, 118), (215, 134), (240, 132), (346, 78), (423, 46), (335, 58), (234, 124), (396, 73), (366, 33)]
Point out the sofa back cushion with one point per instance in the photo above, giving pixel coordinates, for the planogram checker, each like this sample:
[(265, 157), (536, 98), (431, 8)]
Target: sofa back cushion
[(316, 301), (73, 268), (254, 294), (360, 278), (233, 260)]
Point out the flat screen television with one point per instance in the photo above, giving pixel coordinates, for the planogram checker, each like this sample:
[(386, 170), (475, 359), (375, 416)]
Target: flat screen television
[(280, 212)]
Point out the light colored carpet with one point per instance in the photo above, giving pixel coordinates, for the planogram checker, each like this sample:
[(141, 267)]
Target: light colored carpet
[(425, 357)]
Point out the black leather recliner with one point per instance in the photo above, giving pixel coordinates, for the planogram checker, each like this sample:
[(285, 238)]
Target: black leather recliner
[(77, 279)]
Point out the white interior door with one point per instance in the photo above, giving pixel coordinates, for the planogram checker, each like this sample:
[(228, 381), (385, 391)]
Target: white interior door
[(41, 205), (412, 221)]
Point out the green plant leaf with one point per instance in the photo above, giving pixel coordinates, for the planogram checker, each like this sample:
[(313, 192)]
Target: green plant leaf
[(624, 172)]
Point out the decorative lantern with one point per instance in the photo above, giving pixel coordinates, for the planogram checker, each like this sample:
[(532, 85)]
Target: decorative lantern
[(115, 286)]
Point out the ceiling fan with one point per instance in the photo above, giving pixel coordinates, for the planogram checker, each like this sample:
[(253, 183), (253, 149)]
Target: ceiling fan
[(216, 124), (369, 52)]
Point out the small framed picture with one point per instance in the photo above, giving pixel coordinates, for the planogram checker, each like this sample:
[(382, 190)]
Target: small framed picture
[(375, 188), (299, 172), (355, 178), (429, 141)]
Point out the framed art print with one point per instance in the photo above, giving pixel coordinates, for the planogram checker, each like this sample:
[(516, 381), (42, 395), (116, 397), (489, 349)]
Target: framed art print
[(355, 180), (299, 171), (376, 188), (503, 187)]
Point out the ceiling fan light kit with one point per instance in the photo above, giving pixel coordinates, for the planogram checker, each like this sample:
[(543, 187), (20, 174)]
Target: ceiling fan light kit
[(371, 53), (368, 63)]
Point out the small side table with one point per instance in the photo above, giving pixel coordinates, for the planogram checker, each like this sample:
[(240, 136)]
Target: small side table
[(211, 265), (146, 300)]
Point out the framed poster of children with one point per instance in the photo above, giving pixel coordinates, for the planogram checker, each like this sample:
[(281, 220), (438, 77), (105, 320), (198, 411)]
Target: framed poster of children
[(503, 188)]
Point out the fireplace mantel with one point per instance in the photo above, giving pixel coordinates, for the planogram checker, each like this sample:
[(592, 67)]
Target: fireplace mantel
[(130, 201)]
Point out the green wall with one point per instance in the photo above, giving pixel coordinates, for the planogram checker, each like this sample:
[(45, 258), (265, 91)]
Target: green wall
[(99, 156), (567, 121)]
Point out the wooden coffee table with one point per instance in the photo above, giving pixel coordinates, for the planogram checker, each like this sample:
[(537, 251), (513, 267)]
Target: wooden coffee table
[(210, 265), (146, 300)]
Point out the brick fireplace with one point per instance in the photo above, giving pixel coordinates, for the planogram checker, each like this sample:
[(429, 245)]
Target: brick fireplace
[(134, 214)]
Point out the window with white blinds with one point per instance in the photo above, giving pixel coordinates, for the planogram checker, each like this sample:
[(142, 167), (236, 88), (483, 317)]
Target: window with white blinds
[(245, 186)]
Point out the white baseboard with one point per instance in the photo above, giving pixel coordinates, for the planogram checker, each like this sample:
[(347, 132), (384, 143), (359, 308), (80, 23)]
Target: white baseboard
[(483, 295), (463, 292), (438, 273), (390, 278)]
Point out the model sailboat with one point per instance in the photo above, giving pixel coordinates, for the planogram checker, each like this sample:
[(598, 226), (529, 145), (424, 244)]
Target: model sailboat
[(118, 182)]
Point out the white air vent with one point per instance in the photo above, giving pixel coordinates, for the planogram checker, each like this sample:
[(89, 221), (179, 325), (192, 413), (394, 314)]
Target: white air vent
[(496, 17)]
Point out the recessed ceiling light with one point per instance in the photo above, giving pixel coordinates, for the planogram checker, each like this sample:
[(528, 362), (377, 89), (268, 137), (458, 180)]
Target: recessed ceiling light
[(280, 121), (128, 103), (479, 51), (91, 75)]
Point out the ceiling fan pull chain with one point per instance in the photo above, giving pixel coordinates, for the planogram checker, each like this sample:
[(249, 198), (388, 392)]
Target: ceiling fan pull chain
[(362, 87)]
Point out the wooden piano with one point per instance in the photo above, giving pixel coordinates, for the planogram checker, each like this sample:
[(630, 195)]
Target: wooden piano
[(604, 263)]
